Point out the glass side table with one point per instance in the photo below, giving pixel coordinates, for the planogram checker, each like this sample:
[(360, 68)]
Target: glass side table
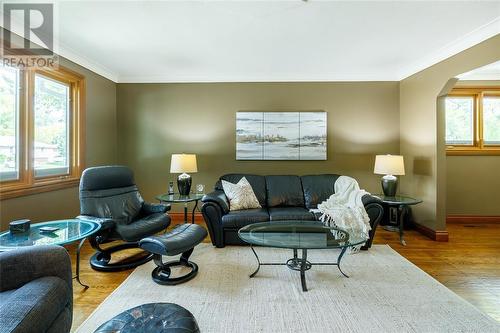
[(71, 230), (185, 199), (401, 203)]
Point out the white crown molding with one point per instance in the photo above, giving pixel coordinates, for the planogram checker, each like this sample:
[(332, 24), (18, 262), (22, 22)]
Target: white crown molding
[(475, 37), (255, 79)]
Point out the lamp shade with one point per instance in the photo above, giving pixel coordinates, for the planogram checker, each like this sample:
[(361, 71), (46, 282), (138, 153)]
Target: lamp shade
[(181, 163), (389, 165)]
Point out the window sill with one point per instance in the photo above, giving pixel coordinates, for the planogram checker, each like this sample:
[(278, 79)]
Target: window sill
[(20, 190), (473, 152)]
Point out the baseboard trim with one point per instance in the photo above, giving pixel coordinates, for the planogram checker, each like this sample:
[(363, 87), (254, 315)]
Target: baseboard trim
[(473, 219), (178, 217), (437, 235)]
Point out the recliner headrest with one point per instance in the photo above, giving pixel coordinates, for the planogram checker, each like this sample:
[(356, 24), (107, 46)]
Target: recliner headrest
[(106, 177)]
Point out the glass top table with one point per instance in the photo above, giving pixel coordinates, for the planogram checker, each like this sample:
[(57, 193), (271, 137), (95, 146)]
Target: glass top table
[(185, 199), (68, 231), (398, 200), (400, 204), (298, 235)]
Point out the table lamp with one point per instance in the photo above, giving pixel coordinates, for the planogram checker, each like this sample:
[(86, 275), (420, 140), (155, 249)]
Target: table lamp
[(183, 163), (390, 166)]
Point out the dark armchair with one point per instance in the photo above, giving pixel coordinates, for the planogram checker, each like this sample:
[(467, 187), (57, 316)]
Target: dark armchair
[(109, 196), (36, 291)]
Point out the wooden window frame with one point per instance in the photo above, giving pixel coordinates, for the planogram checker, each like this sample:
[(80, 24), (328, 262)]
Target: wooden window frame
[(478, 147), (27, 183)]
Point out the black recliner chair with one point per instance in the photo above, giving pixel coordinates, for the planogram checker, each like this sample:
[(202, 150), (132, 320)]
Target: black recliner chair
[(109, 196)]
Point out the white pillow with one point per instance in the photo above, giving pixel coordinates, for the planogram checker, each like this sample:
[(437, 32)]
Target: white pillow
[(241, 195)]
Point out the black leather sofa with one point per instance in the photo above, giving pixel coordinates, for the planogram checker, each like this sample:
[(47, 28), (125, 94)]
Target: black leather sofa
[(282, 197)]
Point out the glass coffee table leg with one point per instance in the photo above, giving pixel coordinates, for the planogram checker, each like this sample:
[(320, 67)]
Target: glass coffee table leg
[(303, 270), (258, 262), (77, 276), (339, 259)]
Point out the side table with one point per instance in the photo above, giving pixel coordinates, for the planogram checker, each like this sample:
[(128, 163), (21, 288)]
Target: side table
[(71, 230), (185, 199), (402, 203)]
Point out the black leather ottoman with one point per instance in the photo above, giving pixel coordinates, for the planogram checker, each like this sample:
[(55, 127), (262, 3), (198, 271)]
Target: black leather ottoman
[(152, 318), (182, 239)]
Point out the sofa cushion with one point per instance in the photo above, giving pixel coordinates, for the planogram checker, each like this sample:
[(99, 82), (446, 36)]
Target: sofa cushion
[(240, 195), (258, 184), (290, 213), (318, 188), (35, 306), (241, 218), (284, 191)]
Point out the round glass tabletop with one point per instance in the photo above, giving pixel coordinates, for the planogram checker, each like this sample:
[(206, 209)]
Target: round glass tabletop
[(179, 198), (398, 200), (68, 231), (297, 235)]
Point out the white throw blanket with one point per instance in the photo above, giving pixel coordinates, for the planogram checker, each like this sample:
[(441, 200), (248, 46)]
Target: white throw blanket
[(345, 210)]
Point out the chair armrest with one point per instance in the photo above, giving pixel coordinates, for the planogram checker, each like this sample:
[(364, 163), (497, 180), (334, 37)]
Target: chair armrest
[(20, 266), (219, 198), (151, 208), (105, 222)]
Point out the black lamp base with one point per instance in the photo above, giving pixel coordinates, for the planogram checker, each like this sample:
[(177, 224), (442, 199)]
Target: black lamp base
[(184, 184), (389, 186)]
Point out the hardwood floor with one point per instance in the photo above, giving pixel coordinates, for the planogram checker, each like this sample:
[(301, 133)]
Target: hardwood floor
[(469, 265)]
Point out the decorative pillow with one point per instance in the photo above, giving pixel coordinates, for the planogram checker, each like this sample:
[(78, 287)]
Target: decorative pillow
[(241, 195)]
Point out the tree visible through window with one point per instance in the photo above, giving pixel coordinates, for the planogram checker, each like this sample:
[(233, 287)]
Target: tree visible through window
[(9, 112), (491, 118), (460, 121), (51, 106)]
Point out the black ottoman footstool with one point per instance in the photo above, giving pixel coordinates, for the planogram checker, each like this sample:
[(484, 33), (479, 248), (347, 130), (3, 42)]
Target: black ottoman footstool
[(181, 239), (152, 318)]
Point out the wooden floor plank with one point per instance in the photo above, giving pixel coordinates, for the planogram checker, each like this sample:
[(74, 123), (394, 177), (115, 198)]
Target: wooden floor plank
[(468, 264)]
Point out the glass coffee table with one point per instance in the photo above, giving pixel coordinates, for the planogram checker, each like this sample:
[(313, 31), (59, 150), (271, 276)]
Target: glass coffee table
[(68, 231), (298, 235)]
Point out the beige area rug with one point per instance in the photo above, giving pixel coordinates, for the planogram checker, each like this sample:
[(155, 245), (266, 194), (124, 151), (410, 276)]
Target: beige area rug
[(385, 293)]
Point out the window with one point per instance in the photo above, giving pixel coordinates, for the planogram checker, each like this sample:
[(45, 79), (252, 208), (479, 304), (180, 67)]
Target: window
[(41, 128), (9, 120), (473, 121)]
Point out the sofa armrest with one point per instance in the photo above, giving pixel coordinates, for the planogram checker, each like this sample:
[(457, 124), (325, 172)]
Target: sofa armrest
[(368, 199), (151, 208), (20, 266), (375, 211), (219, 198), (215, 205)]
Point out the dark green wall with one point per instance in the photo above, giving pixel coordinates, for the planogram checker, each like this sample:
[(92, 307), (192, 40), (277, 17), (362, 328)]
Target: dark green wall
[(156, 120)]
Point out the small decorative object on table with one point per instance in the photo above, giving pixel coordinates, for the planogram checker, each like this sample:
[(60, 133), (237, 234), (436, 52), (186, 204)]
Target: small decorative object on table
[(200, 188), (390, 166), (19, 226), (183, 163), (170, 188), (402, 204)]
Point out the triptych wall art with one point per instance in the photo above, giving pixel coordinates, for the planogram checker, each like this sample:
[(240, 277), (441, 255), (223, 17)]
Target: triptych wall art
[(281, 135)]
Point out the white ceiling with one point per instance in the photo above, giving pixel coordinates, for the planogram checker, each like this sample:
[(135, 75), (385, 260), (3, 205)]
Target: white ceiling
[(249, 41), (488, 72)]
